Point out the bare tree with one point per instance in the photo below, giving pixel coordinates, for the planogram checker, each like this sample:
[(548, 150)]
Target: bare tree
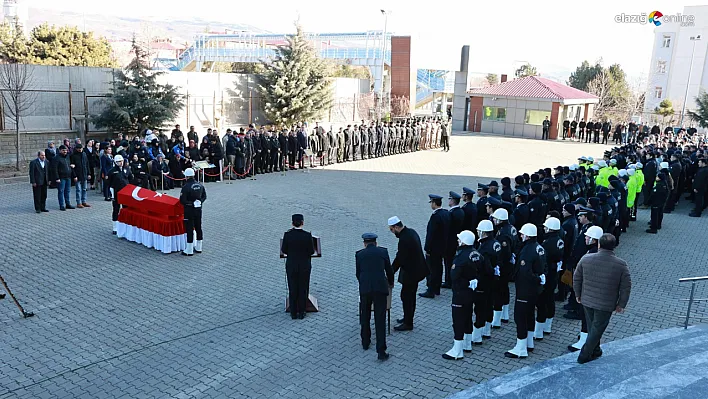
[(633, 103), (400, 106), (366, 105), (601, 86), (16, 82)]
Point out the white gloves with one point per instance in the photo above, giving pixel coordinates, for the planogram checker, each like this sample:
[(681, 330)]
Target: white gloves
[(113, 194), (617, 223), (497, 271), (543, 279), (197, 204), (560, 266), (513, 259), (473, 284)]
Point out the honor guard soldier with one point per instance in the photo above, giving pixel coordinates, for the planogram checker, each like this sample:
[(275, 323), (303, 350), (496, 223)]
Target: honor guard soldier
[(465, 280), (299, 248), (470, 209), (436, 245), (529, 281), (554, 247), (192, 197), (375, 276), (483, 306), (411, 263), (457, 219), (118, 177), (508, 238)]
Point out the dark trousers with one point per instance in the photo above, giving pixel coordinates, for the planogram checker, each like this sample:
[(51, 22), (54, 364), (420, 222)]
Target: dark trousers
[(408, 298), (523, 317), (657, 216), (588, 136), (581, 135), (699, 201), (597, 324), (461, 320), (193, 222), (298, 289), (40, 197), (605, 136), (445, 143), (482, 309), (545, 134), (500, 293), (116, 210), (435, 272), (106, 189), (546, 306), (379, 302), (448, 259), (647, 190)]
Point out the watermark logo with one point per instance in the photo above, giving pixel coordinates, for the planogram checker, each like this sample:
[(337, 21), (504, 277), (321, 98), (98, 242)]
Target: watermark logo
[(657, 18)]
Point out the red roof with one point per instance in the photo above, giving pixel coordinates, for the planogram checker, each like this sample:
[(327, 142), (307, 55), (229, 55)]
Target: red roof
[(535, 87)]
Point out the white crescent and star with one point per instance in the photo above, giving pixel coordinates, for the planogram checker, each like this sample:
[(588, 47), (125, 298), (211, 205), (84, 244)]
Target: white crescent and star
[(135, 194)]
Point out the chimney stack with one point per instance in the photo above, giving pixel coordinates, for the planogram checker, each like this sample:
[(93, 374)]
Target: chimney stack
[(503, 78)]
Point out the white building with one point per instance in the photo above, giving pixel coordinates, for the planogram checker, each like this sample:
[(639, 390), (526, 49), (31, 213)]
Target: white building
[(675, 45)]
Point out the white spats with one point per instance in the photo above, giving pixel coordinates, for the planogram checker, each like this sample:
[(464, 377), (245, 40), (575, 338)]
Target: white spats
[(189, 251), (198, 246), (456, 353), (467, 347), (496, 320), (477, 336), (529, 341), (519, 351), (547, 326), (579, 345), (538, 331)]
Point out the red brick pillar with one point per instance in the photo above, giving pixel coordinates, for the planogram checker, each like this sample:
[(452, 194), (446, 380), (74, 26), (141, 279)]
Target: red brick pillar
[(555, 111), (476, 105), (586, 111)]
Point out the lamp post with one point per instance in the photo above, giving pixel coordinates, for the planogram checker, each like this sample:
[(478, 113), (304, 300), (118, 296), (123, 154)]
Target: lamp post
[(694, 39), (383, 60)]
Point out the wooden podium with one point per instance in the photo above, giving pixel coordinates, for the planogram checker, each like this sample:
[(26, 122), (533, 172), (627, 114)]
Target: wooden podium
[(312, 305)]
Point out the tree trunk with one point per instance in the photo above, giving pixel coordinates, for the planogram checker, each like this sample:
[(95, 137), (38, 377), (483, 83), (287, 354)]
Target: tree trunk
[(17, 131)]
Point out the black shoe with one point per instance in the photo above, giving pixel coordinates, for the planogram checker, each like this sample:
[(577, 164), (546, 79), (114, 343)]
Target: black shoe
[(365, 346), (652, 231), (694, 215), (37, 211), (568, 306), (572, 316), (446, 285), (69, 207), (115, 233), (427, 294), (2, 296), (301, 316), (583, 360), (504, 320), (107, 199), (45, 210), (293, 316), (62, 208), (403, 327), (400, 321), (383, 356)]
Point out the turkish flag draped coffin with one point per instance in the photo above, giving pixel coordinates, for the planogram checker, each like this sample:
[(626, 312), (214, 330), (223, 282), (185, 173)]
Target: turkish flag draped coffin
[(151, 219)]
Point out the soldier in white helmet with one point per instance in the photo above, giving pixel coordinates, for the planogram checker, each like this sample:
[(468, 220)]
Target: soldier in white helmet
[(192, 197), (508, 238), (483, 306), (118, 177), (554, 246), (529, 281)]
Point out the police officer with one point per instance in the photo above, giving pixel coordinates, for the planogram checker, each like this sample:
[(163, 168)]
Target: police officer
[(465, 280), (507, 237), (554, 247), (529, 281), (436, 245), (482, 191), (470, 209), (375, 276), (118, 177), (521, 212), (490, 248), (457, 219), (192, 197)]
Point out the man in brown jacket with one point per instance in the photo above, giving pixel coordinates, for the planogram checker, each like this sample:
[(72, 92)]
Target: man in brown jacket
[(602, 285)]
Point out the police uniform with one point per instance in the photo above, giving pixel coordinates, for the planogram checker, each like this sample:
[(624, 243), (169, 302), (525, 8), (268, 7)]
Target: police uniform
[(435, 247), (521, 212), (118, 177), (375, 276), (507, 236), (192, 197), (482, 190), (470, 209), (554, 247), (491, 249), (457, 219)]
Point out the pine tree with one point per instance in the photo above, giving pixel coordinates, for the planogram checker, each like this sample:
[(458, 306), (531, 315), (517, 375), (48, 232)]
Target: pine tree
[(137, 101), (295, 85), (700, 115)]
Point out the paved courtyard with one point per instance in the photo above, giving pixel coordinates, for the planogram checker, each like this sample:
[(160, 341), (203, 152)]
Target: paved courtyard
[(115, 319)]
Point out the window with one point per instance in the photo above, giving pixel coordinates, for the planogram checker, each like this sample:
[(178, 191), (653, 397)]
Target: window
[(657, 92), (495, 114), (667, 42), (534, 117), (661, 67)]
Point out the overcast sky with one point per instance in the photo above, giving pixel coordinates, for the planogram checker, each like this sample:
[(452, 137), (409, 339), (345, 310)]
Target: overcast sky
[(552, 35)]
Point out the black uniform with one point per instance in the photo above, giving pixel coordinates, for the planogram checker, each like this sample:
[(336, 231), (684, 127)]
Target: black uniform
[(411, 262), (118, 177), (192, 197), (530, 266), (470, 222), (298, 246), (483, 306), (467, 262), (375, 275), (457, 219), (521, 215), (554, 246), (508, 238), (435, 246)]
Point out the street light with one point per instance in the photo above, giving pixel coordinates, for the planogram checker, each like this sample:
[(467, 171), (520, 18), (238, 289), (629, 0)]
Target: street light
[(383, 59), (694, 39)]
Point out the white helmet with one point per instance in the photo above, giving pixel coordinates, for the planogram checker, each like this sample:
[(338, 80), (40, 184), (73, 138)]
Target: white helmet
[(467, 237), (664, 165), (189, 172), (485, 226), (118, 158), (602, 163), (594, 232), (528, 230), (501, 214), (639, 165), (622, 172), (633, 166), (631, 172), (552, 224)]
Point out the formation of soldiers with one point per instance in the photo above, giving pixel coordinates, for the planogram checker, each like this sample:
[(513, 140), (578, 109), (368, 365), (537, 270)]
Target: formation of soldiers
[(533, 230)]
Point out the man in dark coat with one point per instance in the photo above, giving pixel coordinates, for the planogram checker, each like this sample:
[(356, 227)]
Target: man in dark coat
[(411, 262), (39, 179), (375, 276), (436, 245), (457, 219), (298, 246)]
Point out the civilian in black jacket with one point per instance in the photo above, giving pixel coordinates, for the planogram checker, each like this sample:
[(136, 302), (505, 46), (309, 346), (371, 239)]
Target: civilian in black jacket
[(457, 219), (60, 172), (700, 186), (81, 173), (39, 178), (298, 246), (435, 245), (375, 276), (411, 262), (284, 151)]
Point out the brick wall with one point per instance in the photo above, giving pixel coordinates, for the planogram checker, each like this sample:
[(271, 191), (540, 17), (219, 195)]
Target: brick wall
[(31, 142), (401, 67)]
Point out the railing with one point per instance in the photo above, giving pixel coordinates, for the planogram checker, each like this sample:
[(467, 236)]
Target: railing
[(691, 299)]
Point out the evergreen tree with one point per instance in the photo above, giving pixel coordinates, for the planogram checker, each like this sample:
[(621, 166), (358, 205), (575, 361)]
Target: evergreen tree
[(295, 86), (584, 74), (665, 109), (137, 101), (14, 46), (700, 115), (526, 70), (492, 79)]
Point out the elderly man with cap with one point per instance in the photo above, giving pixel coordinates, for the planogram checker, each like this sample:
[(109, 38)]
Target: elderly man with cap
[(482, 194), (529, 282), (554, 246), (192, 197), (118, 177), (298, 246), (590, 239), (491, 249), (457, 219), (436, 242), (494, 190), (411, 263), (470, 209), (375, 276), (466, 269), (507, 236)]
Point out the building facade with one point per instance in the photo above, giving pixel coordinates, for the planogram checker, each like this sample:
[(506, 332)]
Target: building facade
[(680, 49)]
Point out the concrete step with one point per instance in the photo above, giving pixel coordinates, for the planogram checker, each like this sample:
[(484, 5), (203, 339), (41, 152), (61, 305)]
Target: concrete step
[(14, 180), (663, 364)]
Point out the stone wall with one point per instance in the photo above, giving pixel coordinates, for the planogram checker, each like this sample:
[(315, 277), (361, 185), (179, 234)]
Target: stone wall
[(31, 142)]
